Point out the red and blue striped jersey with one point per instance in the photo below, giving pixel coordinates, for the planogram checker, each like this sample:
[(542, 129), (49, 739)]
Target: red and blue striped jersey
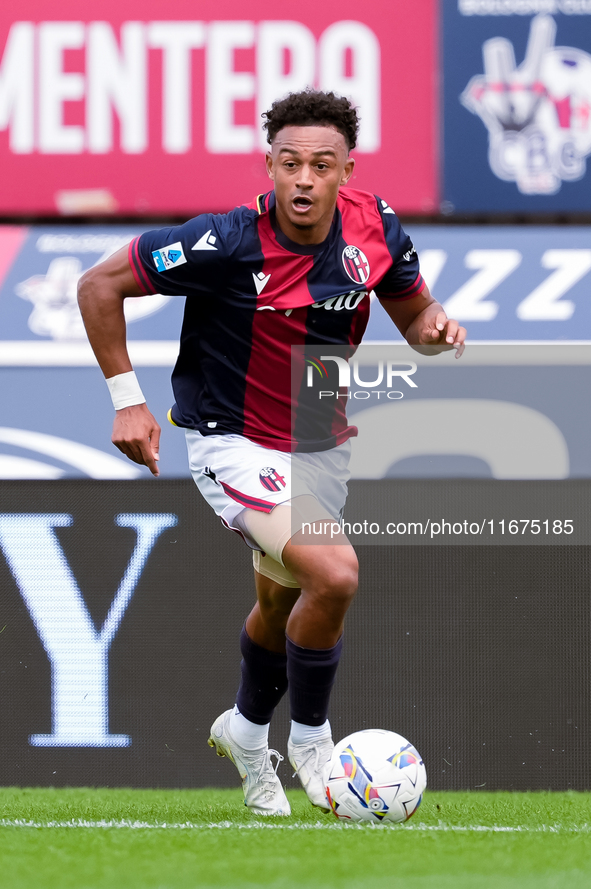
[(251, 294)]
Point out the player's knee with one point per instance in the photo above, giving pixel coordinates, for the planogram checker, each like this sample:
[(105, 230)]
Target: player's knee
[(338, 582)]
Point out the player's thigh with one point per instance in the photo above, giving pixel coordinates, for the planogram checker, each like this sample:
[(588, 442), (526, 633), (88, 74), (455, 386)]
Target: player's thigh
[(306, 547)]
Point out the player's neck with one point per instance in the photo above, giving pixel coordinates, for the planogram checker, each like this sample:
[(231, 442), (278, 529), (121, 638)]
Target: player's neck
[(303, 235)]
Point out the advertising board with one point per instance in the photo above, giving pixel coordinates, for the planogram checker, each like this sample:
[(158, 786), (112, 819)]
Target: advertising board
[(123, 604), (507, 284), (138, 108), (516, 106)]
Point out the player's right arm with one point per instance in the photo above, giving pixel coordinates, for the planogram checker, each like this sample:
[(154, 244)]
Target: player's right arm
[(101, 293)]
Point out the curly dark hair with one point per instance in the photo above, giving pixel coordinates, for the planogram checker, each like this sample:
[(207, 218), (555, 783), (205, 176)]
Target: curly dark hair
[(313, 108)]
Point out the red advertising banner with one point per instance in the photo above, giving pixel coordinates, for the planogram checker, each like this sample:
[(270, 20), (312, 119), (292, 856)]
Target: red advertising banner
[(147, 108)]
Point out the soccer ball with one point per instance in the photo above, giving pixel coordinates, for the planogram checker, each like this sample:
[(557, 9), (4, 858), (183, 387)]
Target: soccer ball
[(375, 776)]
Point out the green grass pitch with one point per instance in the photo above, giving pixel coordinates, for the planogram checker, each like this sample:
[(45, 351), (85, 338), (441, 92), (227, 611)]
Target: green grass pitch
[(79, 838)]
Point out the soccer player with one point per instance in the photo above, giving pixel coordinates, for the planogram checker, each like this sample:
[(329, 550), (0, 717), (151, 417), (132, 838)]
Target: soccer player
[(294, 267)]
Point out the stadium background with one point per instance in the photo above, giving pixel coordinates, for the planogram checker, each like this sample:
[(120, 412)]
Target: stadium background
[(124, 120)]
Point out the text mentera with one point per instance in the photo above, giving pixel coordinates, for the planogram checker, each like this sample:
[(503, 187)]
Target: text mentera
[(39, 91)]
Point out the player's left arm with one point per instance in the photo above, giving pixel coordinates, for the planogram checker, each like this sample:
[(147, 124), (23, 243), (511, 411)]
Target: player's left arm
[(422, 322), (405, 296)]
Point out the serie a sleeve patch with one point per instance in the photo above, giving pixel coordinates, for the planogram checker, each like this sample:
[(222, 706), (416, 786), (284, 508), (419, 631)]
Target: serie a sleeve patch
[(169, 257)]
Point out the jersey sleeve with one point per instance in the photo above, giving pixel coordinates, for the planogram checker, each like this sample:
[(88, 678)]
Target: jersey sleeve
[(185, 260), (403, 279)]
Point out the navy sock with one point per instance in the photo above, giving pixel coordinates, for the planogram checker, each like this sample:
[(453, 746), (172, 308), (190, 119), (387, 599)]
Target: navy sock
[(264, 680), (311, 673)]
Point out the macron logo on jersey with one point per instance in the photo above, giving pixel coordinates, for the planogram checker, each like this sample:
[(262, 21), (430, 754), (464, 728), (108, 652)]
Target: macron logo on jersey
[(205, 242), (260, 281), (169, 257), (386, 208)]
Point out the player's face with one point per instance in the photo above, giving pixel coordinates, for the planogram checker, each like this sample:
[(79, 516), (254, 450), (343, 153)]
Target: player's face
[(308, 165)]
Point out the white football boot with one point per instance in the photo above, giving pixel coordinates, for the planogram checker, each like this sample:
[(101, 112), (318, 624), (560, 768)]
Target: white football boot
[(310, 763), (263, 793)]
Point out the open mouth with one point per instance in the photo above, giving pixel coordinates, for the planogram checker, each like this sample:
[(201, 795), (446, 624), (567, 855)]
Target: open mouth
[(301, 202)]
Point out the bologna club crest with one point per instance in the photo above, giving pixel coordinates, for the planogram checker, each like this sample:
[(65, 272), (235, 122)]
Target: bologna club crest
[(271, 480), (356, 264)]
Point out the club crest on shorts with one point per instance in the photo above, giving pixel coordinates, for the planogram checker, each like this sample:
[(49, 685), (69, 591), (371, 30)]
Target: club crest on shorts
[(356, 264), (270, 479)]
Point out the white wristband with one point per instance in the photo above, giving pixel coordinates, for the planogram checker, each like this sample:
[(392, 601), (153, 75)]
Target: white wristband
[(125, 390)]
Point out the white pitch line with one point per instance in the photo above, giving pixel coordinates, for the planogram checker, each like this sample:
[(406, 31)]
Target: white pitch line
[(318, 825)]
